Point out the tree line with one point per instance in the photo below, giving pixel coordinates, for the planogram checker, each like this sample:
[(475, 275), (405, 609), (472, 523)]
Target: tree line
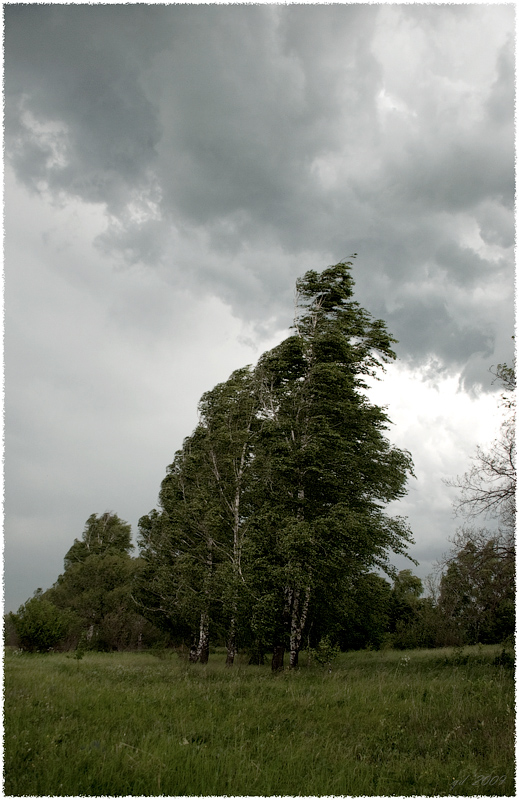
[(271, 532)]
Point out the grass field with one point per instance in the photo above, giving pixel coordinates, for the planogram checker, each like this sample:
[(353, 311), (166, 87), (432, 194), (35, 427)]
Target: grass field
[(437, 722)]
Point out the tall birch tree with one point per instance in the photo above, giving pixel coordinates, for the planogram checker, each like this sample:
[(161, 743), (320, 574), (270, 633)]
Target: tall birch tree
[(326, 467), (193, 546), (228, 415), (177, 545)]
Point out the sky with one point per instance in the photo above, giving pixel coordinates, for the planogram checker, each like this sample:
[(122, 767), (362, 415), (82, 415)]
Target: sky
[(170, 171)]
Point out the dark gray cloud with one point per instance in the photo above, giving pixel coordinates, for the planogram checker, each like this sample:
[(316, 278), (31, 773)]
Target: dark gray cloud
[(186, 164), (63, 68), (301, 132)]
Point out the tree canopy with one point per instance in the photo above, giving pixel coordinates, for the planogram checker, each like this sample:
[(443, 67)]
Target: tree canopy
[(103, 533)]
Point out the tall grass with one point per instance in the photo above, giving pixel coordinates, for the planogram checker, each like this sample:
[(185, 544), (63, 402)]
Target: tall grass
[(420, 722)]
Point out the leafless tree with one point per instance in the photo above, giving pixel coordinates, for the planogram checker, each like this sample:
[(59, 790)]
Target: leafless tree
[(489, 487)]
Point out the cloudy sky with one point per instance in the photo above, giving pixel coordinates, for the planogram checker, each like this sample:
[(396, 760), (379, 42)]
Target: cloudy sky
[(171, 170)]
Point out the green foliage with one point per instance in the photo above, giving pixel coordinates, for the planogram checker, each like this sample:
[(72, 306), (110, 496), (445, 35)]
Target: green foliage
[(420, 629), (477, 595), (10, 635), (366, 608), (40, 625), (178, 546), (473, 603), (81, 647), (405, 608), (103, 534), (325, 652)]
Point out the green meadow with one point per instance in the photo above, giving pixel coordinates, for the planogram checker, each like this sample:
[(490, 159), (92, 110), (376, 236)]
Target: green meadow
[(422, 722)]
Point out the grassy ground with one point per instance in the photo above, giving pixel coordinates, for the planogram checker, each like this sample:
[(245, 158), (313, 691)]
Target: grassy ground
[(414, 723)]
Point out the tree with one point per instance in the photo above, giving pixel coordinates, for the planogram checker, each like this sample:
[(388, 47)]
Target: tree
[(98, 590), (413, 619), (103, 533), (476, 599), (177, 546), (366, 608), (489, 487), (405, 594), (96, 586), (228, 415), (324, 467), (193, 546)]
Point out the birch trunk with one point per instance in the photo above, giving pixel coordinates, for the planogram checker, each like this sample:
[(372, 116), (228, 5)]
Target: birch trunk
[(236, 561), (297, 625), (203, 640), (231, 644), (233, 506), (193, 650), (202, 653), (294, 630)]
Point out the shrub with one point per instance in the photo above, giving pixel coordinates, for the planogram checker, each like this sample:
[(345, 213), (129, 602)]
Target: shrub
[(40, 625), (324, 653)]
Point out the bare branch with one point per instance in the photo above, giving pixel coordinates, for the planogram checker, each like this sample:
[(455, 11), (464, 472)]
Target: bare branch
[(489, 487)]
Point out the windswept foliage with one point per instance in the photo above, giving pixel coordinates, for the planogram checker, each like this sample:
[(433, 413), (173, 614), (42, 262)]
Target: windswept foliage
[(280, 491)]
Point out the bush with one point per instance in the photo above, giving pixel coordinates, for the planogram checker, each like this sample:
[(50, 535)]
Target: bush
[(40, 625), (324, 653), (506, 657), (10, 634)]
